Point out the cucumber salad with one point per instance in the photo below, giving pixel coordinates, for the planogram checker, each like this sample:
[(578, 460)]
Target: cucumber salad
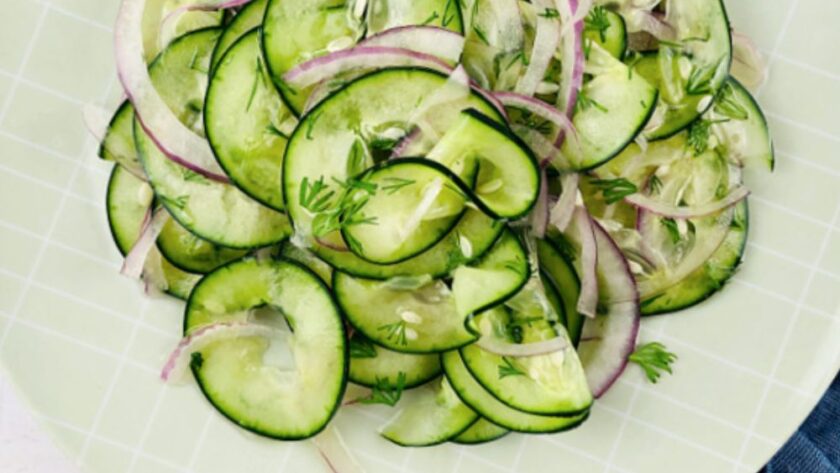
[(463, 208)]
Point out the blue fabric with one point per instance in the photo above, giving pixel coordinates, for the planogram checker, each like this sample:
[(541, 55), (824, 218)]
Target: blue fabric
[(815, 448)]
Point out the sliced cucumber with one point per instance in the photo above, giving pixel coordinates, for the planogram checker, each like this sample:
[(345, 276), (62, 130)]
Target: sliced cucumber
[(494, 53), (711, 277), (562, 276), (475, 396), (297, 31), (405, 207), (217, 212), (692, 69), (742, 127), (608, 30), (387, 14), (191, 253), (482, 431), (127, 201), (471, 239), (239, 377), (250, 17), (496, 277), (306, 258), (333, 142), (509, 178), (552, 384), (418, 320), (611, 111), (428, 416), (118, 144), (247, 123), (371, 365)]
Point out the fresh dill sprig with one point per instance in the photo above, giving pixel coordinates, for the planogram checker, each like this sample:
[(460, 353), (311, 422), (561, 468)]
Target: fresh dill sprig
[(507, 368), (653, 358), (384, 392), (615, 190)]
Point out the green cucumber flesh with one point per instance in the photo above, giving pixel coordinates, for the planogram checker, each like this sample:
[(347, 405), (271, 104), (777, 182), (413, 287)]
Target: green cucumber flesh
[(387, 14), (694, 67), (216, 212), (742, 127), (308, 259), (238, 375), (372, 365), (250, 17), (493, 279), (551, 384), (247, 123), (608, 30), (127, 201), (297, 31), (612, 109), (191, 253), (563, 278), (118, 144), (482, 431), (509, 177), (406, 207), (421, 320), (711, 277), (478, 398), (429, 415), (333, 141), (472, 238)]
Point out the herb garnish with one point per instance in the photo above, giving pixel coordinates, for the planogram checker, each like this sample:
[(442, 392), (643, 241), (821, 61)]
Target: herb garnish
[(395, 331), (584, 102), (699, 134), (507, 368), (653, 358), (362, 347), (598, 22), (615, 190), (386, 393)]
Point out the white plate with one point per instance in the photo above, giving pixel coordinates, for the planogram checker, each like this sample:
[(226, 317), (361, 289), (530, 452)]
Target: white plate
[(83, 345)]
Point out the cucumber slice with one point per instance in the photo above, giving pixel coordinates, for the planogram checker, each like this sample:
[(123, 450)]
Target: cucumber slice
[(509, 177), (562, 277), (387, 14), (217, 212), (370, 365), (297, 31), (692, 69), (608, 30), (496, 277), (306, 258), (118, 144), (553, 297), (494, 53), (475, 396), (191, 253), (711, 277), (239, 377), (742, 127), (612, 109), (552, 384), (127, 201), (248, 18), (333, 142), (405, 207), (429, 415), (482, 431), (247, 123), (471, 239), (418, 320)]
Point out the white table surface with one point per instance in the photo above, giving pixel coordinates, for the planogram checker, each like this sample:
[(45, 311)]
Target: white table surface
[(24, 445)]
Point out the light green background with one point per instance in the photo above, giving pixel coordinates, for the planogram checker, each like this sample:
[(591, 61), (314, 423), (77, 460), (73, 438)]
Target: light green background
[(84, 346)]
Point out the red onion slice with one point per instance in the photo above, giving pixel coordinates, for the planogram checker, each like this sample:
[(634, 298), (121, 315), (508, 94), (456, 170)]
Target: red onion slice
[(736, 195), (322, 68), (432, 40), (609, 339), (177, 141), (543, 110), (581, 232), (564, 209), (179, 361), (151, 228), (571, 80), (546, 40), (540, 216)]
